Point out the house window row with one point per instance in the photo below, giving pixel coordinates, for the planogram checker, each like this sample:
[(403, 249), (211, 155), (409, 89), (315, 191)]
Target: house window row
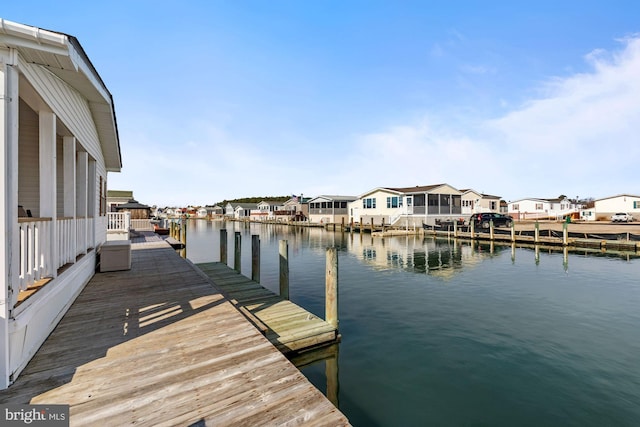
[(467, 203), (394, 202), (538, 206), (369, 203), (327, 205)]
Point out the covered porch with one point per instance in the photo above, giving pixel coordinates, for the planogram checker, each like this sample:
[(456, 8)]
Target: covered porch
[(59, 141)]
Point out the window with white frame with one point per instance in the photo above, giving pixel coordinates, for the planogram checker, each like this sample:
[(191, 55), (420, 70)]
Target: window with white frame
[(369, 203), (394, 202)]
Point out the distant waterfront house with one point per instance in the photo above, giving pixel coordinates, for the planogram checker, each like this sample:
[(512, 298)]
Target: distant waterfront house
[(329, 209), (117, 197), (60, 139), (407, 206), (607, 206), (296, 208), (243, 210), (476, 202), (215, 211), (263, 211), (229, 210), (556, 208)]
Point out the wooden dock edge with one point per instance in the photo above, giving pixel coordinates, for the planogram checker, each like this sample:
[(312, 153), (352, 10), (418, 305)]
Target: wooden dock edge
[(297, 341)]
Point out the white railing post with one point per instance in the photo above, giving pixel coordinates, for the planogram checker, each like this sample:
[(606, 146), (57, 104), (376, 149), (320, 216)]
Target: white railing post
[(36, 261)]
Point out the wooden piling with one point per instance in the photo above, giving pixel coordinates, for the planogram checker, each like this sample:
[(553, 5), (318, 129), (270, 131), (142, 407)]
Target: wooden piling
[(536, 232), (255, 258), (223, 246), (565, 234), (284, 269), (238, 252), (491, 235), (331, 287), (513, 231)]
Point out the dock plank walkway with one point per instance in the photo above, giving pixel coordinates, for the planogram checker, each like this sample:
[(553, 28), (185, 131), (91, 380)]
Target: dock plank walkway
[(288, 326), (158, 345)]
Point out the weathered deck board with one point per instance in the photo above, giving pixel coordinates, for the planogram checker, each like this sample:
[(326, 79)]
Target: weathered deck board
[(159, 346), (288, 326)]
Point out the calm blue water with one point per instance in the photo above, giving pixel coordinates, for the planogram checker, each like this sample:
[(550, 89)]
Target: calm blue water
[(437, 333)]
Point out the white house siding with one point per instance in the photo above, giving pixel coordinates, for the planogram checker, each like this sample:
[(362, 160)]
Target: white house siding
[(28, 155), (627, 203), (68, 105), (540, 209), (380, 214)]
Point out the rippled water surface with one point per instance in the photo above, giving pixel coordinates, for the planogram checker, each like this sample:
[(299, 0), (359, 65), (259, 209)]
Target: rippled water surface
[(445, 333)]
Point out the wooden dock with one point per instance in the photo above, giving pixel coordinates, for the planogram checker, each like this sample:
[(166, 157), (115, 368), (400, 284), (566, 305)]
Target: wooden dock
[(158, 345), (289, 327)]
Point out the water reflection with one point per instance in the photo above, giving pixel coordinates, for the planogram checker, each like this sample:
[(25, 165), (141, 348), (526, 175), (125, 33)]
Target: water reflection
[(441, 257), (329, 356), (424, 255), (511, 335)]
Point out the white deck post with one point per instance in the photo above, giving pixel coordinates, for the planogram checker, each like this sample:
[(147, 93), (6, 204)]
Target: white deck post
[(82, 171), (9, 250), (92, 208), (48, 184), (69, 153)]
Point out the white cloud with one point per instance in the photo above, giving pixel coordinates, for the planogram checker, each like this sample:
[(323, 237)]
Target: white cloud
[(580, 138)]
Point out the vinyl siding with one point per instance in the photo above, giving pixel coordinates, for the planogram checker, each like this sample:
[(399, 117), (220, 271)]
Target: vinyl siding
[(28, 160), (66, 103)]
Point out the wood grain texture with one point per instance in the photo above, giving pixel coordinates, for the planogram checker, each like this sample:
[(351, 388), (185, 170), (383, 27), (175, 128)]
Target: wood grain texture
[(288, 326), (158, 345)]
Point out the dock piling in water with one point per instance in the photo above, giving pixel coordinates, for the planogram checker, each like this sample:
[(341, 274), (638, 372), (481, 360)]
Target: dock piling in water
[(237, 252), (255, 258), (331, 288), (284, 269), (223, 245)]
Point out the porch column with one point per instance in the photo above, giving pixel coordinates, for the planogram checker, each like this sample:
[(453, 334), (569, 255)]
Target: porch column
[(9, 249), (92, 207), (82, 171), (69, 153), (48, 183)]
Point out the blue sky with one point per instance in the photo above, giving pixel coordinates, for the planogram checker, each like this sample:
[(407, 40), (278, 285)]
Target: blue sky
[(226, 99)]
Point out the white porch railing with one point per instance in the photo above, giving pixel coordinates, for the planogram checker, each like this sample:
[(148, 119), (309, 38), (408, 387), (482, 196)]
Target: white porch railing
[(118, 221), (66, 240), (141, 224), (36, 260), (83, 225), (35, 256), (397, 215)]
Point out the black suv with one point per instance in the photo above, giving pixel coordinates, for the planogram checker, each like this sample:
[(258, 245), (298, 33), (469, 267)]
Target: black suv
[(483, 219)]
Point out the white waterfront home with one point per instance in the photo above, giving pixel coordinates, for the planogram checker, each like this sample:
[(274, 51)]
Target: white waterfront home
[(533, 208), (330, 209), (475, 202), (407, 206), (202, 212), (605, 207), (59, 140), (243, 210)]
